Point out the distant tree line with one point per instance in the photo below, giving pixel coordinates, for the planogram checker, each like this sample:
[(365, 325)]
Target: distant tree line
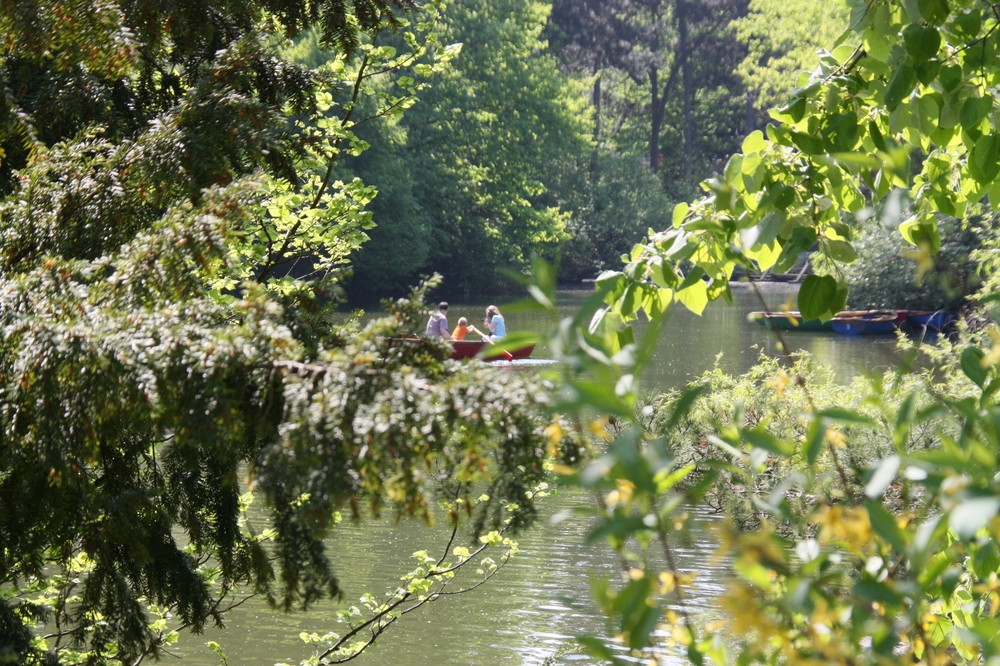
[(566, 130)]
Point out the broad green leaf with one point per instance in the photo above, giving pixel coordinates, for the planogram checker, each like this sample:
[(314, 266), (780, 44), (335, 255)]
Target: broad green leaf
[(694, 296), (666, 480), (808, 143), (928, 71), (974, 111), (841, 132), (754, 142), (765, 255), (933, 11), (858, 159), (922, 42), (968, 22), (814, 440), (663, 274), (845, 415), (817, 296), (656, 301), (680, 212), (900, 85), (841, 251), (984, 158), (972, 365), (950, 77), (792, 112), (876, 46), (762, 439), (770, 225), (597, 648), (629, 302), (987, 560), (922, 232), (929, 575)]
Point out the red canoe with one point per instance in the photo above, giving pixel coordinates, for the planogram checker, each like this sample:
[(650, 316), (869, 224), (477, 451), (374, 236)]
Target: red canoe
[(468, 348)]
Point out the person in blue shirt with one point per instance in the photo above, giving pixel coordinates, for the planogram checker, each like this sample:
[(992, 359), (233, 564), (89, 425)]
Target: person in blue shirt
[(494, 321)]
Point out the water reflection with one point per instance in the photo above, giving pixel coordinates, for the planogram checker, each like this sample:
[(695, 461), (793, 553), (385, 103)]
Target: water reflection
[(529, 614), (722, 336)]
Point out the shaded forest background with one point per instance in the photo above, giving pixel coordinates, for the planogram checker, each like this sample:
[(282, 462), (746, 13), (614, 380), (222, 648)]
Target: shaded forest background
[(567, 129)]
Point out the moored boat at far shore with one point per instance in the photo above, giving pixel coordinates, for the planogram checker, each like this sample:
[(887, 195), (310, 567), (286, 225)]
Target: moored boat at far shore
[(878, 323), (853, 322)]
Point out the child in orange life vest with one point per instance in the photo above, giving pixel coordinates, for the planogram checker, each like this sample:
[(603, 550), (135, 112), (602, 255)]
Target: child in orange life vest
[(463, 329)]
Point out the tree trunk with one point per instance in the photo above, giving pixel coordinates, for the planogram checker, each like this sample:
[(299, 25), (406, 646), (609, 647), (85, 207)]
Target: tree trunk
[(595, 100), (687, 137), (656, 119)]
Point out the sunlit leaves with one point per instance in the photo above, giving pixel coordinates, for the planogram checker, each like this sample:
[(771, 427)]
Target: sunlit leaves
[(821, 297), (899, 107), (908, 532), (984, 158), (922, 42), (933, 11)]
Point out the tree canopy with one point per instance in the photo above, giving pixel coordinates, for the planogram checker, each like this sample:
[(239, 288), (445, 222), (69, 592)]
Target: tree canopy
[(165, 172), (482, 172), (783, 39), (902, 102)]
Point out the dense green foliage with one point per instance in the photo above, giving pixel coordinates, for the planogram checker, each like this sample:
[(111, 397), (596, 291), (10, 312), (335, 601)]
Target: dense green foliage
[(783, 38), (877, 539), (888, 275), (168, 176), (771, 398), (165, 175), (664, 80), (618, 202), (482, 169)]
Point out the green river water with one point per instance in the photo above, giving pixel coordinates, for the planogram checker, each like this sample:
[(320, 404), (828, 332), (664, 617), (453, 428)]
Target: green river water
[(530, 613)]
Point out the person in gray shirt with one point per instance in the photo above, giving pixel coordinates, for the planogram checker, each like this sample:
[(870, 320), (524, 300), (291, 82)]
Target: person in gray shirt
[(437, 324)]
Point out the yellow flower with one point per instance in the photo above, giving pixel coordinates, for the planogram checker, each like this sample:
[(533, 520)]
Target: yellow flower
[(624, 489), (849, 525), (553, 434), (835, 438), (600, 428), (780, 382), (667, 582)]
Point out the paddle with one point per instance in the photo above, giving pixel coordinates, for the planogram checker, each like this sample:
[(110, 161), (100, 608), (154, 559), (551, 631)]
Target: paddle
[(507, 355)]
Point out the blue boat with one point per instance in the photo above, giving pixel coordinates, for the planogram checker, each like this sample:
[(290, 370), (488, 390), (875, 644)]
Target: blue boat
[(933, 322), (875, 323)]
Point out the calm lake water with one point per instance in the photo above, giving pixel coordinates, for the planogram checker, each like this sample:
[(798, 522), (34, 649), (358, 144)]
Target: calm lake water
[(531, 611)]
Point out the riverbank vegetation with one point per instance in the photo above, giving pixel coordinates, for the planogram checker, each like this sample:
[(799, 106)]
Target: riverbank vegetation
[(891, 274), (876, 512), (172, 228), (180, 205)]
